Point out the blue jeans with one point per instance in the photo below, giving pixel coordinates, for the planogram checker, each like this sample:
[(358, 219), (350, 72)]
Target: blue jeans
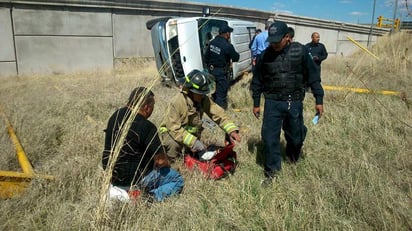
[(222, 87), (278, 114), (162, 183)]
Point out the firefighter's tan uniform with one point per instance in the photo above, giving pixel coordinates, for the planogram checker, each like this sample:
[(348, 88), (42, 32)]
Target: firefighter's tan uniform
[(183, 124)]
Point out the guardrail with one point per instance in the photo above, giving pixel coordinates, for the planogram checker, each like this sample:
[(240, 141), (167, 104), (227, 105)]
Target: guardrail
[(388, 23), (196, 9), (14, 183)]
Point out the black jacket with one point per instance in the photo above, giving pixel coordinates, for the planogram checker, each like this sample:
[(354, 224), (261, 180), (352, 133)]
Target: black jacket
[(136, 154), (318, 50), (220, 52), (311, 74)]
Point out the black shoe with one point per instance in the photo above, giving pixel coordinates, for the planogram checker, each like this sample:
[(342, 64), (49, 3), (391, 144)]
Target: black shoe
[(270, 176), (293, 153), (268, 181)]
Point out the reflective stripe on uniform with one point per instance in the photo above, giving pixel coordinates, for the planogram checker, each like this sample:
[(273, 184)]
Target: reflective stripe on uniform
[(229, 126), (191, 129), (187, 140), (163, 130), (193, 84)]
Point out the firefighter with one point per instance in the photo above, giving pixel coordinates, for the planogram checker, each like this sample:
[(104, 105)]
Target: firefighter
[(218, 58), (183, 124)]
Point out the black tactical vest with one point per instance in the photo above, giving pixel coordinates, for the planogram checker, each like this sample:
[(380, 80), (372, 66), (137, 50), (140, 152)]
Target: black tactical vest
[(283, 77)]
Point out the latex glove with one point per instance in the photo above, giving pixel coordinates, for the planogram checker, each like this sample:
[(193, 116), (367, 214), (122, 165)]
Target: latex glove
[(208, 155), (198, 146)]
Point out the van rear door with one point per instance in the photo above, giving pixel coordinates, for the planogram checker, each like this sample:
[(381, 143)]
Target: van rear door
[(191, 57), (241, 36)]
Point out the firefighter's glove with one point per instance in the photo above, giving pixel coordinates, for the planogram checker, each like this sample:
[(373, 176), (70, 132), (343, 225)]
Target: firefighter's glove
[(198, 146)]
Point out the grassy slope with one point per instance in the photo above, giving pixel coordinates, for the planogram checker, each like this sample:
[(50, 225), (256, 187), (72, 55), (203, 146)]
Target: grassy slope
[(356, 174)]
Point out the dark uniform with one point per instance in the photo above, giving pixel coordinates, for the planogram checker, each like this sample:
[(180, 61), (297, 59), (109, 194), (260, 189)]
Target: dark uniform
[(218, 56), (281, 77), (317, 50)]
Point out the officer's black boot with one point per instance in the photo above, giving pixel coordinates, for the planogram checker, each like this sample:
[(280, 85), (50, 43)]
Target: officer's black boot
[(270, 176), (293, 152)]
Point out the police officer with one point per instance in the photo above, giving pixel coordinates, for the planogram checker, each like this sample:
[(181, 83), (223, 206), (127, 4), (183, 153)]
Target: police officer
[(281, 74), (218, 57), (316, 49), (183, 124)]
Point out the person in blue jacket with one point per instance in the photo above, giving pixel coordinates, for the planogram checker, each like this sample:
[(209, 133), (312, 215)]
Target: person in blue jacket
[(260, 43)]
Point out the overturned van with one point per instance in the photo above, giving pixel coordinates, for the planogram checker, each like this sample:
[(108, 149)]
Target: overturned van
[(179, 44)]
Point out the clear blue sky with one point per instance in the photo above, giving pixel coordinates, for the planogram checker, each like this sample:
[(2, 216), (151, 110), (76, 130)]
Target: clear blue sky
[(350, 11)]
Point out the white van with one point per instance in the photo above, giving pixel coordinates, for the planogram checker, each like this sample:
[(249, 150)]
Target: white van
[(179, 44)]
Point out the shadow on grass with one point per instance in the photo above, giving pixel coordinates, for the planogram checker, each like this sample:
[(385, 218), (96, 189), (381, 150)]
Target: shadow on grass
[(256, 147)]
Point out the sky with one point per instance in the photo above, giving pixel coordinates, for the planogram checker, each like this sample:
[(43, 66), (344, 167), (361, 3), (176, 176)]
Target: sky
[(349, 11)]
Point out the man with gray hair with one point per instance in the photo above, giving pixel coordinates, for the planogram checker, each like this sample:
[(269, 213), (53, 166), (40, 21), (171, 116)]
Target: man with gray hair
[(317, 50)]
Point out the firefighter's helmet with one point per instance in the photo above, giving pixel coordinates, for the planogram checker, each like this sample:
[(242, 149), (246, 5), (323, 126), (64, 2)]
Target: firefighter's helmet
[(198, 82)]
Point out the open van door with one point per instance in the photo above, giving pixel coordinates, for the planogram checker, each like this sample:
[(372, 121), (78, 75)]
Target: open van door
[(240, 38), (191, 56)]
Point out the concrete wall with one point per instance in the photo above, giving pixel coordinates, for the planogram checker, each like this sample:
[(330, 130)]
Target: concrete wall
[(7, 55), (131, 38), (327, 37), (335, 41), (63, 36), (346, 47), (62, 39)]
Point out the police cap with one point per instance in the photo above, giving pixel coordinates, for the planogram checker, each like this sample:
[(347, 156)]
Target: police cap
[(277, 31), (225, 29)]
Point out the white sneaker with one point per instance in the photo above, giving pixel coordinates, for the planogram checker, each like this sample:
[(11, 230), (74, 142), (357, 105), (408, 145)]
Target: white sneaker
[(116, 193)]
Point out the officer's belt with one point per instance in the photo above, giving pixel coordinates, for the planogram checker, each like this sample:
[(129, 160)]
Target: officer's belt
[(213, 67), (296, 96)]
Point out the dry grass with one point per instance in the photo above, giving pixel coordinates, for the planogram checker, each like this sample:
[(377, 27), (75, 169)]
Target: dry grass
[(357, 173)]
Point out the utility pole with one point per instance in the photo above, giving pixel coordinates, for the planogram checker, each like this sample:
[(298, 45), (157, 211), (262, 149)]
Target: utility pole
[(372, 24), (395, 8)]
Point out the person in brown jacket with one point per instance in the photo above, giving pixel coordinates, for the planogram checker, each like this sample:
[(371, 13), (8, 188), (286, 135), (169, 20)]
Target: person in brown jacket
[(183, 124)]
